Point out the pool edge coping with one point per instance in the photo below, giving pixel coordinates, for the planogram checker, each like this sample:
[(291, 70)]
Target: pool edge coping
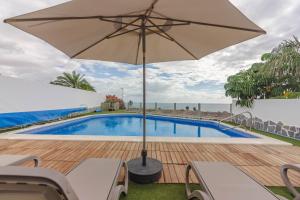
[(261, 139)]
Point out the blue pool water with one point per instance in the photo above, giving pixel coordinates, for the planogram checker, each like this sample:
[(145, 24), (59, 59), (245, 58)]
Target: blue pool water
[(131, 125)]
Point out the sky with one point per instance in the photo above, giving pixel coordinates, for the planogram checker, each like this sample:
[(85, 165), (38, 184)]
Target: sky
[(26, 57)]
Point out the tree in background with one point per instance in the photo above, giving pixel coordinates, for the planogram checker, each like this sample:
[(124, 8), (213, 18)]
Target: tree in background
[(115, 99), (73, 80), (284, 60), (276, 76)]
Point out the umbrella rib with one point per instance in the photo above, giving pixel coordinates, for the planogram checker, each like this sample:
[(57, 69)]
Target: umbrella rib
[(210, 24), (67, 18), (107, 36), (174, 40), (150, 10), (123, 33), (124, 23), (153, 31), (163, 25)]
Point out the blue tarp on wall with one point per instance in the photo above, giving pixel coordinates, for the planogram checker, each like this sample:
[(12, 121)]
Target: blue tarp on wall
[(26, 118)]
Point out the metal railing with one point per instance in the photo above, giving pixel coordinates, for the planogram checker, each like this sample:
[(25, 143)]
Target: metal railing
[(234, 116)]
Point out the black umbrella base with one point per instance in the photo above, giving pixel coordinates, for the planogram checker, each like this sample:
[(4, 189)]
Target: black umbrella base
[(144, 174)]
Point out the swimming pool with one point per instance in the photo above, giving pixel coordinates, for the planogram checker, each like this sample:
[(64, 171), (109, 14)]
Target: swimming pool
[(132, 124)]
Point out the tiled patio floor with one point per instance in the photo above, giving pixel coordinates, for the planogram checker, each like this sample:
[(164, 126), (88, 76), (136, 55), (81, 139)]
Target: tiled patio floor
[(259, 161)]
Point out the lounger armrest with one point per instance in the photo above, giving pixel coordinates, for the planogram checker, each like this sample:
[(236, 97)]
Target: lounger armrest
[(125, 177), (35, 159), (121, 189), (13, 160), (201, 195), (283, 172)]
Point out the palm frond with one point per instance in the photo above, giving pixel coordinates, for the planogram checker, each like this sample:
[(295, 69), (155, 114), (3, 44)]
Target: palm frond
[(73, 80)]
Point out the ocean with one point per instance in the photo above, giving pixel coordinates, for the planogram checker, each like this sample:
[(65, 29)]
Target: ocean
[(205, 107)]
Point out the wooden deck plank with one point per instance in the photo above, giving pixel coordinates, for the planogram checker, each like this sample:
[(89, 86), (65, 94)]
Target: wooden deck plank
[(167, 175), (174, 178), (179, 173)]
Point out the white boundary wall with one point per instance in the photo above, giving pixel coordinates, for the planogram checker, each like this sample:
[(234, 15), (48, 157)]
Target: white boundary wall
[(285, 110), (17, 95)]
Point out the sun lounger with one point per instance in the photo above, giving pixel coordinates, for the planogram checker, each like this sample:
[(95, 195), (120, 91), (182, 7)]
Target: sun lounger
[(284, 175), (222, 181), (93, 179), (9, 160)]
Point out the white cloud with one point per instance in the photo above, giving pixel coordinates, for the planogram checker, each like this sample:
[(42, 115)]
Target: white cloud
[(24, 56)]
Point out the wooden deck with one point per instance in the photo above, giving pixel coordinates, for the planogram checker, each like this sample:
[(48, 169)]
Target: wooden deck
[(259, 161)]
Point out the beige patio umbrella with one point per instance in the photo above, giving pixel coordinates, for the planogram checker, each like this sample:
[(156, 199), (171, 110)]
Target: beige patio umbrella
[(117, 30)]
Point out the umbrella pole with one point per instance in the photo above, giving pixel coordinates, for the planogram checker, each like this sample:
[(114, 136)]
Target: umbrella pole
[(144, 151), (144, 170)]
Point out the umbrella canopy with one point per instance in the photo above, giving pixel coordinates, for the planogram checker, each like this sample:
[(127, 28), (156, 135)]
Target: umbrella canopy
[(117, 30), (109, 30)]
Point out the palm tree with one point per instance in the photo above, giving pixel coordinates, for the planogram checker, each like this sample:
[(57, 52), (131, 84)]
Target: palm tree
[(284, 60), (73, 80)]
